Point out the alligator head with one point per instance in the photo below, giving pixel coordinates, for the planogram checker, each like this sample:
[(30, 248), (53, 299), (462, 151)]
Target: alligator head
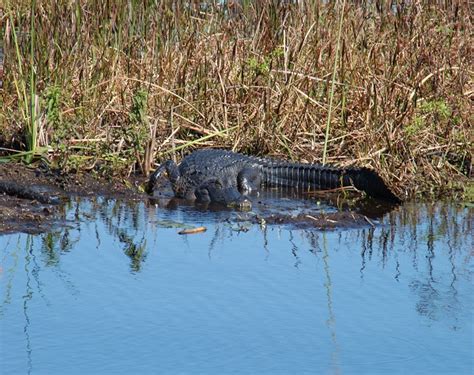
[(168, 169)]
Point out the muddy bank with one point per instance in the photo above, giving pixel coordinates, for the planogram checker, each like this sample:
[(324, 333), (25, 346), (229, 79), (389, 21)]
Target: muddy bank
[(32, 198)]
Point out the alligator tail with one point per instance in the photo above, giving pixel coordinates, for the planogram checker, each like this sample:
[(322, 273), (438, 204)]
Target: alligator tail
[(367, 180), (318, 177)]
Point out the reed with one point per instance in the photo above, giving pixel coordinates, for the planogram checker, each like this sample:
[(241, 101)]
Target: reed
[(331, 95), (369, 85), (32, 130)]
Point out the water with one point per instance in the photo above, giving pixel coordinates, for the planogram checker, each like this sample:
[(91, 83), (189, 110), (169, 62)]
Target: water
[(118, 291)]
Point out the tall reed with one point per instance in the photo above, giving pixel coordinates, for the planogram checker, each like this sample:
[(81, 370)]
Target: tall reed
[(331, 95), (32, 131)]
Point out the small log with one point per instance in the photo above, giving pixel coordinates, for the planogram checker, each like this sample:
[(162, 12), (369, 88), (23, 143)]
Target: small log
[(27, 191), (193, 230)]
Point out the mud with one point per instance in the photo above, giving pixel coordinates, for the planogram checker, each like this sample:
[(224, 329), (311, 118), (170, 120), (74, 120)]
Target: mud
[(32, 198)]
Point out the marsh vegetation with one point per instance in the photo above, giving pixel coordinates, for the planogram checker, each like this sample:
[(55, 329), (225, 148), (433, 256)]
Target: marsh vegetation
[(114, 87)]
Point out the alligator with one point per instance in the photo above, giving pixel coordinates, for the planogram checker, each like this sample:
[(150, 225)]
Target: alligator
[(226, 177)]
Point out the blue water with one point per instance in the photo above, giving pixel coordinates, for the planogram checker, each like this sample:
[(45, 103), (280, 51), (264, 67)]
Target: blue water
[(118, 291)]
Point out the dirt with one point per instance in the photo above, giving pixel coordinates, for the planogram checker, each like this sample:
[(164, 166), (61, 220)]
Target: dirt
[(32, 200)]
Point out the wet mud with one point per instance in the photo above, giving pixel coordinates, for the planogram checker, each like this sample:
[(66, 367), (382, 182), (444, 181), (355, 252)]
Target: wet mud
[(32, 199)]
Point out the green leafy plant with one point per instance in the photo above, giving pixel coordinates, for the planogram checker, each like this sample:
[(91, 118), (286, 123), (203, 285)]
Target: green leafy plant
[(137, 134)]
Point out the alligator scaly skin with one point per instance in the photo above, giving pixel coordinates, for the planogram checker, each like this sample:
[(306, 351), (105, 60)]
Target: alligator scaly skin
[(209, 170)]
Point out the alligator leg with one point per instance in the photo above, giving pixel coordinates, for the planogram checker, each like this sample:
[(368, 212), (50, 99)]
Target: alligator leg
[(217, 191), (249, 179)]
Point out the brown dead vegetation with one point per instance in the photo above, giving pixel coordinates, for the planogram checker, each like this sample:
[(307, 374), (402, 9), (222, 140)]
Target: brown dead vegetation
[(119, 85)]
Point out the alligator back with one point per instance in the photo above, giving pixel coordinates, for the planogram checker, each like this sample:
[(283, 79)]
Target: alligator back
[(202, 165)]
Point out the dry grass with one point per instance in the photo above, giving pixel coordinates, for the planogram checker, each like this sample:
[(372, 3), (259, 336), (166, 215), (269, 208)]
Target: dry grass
[(121, 84)]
